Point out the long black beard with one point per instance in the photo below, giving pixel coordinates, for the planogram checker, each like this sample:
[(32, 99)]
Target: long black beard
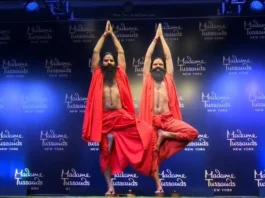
[(109, 73), (158, 74)]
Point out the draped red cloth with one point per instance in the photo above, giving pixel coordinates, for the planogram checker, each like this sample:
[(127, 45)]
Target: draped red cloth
[(92, 125), (169, 121), (135, 143), (147, 99), (134, 140), (184, 134)]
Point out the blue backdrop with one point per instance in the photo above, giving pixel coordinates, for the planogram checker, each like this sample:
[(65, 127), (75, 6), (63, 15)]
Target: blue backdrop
[(44, 81)]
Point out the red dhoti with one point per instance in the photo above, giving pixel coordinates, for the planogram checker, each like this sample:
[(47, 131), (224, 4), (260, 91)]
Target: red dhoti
[(184, 134), (134, 143)]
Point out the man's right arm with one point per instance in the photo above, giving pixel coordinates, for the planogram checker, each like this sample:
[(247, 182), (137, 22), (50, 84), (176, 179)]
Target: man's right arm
[(96, 53), (148, 57), (150, 51), (97, 49)]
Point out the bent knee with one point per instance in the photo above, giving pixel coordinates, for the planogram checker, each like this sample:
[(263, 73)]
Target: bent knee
[(191, 134), (194, 134)]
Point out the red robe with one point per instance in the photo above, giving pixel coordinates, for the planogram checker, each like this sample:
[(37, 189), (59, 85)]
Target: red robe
[(147, 99), (168, 121), (134, 140), (94, 109)]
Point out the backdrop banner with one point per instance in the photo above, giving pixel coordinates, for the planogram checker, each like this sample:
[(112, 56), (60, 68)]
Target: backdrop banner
[(219, 74)]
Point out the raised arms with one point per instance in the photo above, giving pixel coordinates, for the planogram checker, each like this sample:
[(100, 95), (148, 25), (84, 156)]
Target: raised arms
[(119, 49), (166, 50), (97, 49), (149, 53), (167, 53)]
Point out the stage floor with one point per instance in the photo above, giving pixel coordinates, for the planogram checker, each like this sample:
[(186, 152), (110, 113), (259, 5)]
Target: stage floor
[(54, 196), (104, 196), (90, 197), (58, 196)]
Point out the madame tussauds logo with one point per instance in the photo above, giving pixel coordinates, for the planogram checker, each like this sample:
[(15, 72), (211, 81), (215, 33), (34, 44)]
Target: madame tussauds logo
[(254, 29), (189, 66), (26, 178), (257, 99), (13, 63), (38, 34), (172, 32), (239, 140), (14, 68), (125, 179), (34, 103), (259, 177), (56, 63), (171, 179), (57, 68), (73, 178), (216, 179), (50, 140), (125, 32), (81, 34), (75, 103), (9, 140), (210, 30), (138, 64), (200, 144), (213, 102), (235, 65)]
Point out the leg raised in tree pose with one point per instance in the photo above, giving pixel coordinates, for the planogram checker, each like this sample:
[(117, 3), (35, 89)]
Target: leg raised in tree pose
[(160, 106), (111, 120)]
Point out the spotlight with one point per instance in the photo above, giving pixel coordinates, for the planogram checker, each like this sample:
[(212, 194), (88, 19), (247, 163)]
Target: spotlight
[(243, 7), (256, 6), (32, 6)]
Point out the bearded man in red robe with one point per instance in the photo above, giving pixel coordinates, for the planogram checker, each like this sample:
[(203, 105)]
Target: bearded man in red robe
[(111, 120), (160, 107)]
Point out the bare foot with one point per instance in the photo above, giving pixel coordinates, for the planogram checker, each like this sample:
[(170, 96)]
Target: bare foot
[(110, 191), (159, 190), (160, 139)]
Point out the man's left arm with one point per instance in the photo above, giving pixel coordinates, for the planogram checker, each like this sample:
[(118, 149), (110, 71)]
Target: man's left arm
[(119, 49), (167, 53)]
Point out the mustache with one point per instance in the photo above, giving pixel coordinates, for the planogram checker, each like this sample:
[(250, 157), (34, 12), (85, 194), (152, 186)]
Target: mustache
[(158, 69), (109, 66)]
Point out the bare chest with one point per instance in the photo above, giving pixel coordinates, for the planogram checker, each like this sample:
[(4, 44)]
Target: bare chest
[(160, 88), (160, 98), (110, 90)]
